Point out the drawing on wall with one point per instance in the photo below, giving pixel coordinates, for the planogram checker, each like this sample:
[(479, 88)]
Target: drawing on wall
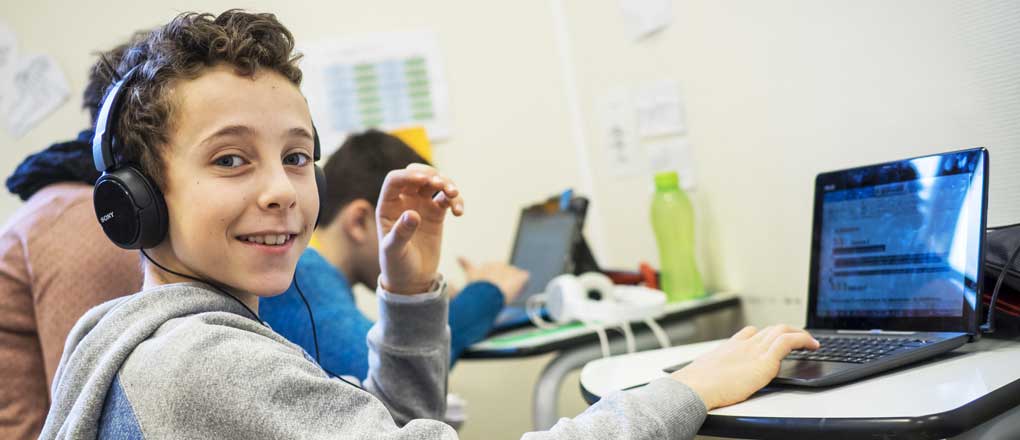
[(31, 86)]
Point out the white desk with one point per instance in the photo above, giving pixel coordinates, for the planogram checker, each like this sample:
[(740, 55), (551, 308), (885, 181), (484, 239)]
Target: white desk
[(577, 345), (944, 397), (531, 341)]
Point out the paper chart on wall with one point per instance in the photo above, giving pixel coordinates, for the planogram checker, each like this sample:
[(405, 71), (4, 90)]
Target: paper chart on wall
[(645, 17), (673, 154), (37, 88), (660, 109), (8, 53), (388, 81), (619, 134)]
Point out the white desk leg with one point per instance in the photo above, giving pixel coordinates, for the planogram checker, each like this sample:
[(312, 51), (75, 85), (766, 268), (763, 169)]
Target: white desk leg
[(547, 389)]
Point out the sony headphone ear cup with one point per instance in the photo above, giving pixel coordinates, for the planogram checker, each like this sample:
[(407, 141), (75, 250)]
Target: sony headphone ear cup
[(130, 208), (320, 185)]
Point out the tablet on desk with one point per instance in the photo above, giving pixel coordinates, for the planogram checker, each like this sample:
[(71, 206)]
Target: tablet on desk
[(544, 247)]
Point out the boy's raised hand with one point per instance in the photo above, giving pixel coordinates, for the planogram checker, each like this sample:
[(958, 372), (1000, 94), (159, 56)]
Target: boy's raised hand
[(410, 213)]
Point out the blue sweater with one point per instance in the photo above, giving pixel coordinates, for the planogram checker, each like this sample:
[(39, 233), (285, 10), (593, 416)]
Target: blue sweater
[(341, 327)]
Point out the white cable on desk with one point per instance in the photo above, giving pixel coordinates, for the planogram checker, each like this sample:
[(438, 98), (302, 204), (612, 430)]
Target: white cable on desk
[(603, 337), (628, 335), (659, 333), (534, 304), (533, 308)]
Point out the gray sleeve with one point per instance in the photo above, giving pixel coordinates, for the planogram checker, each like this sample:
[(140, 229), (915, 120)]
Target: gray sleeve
[(409, 357), (663, 409)]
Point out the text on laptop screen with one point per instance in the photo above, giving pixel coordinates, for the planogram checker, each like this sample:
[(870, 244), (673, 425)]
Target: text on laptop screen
[(901, 240)]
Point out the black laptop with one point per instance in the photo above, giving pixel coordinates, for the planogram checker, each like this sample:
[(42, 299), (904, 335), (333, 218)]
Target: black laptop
[(895, 276)]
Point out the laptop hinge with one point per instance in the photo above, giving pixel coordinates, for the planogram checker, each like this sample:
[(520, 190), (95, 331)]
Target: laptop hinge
[(874, 332)]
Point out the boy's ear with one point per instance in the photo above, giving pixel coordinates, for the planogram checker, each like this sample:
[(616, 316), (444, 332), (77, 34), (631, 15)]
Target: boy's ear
[(358, 220)]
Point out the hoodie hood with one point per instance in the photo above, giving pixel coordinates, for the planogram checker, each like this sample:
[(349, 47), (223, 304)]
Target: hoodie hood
[(101, 341)]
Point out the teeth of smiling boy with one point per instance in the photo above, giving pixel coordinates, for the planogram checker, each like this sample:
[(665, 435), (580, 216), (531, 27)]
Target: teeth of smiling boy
[(271, 239)]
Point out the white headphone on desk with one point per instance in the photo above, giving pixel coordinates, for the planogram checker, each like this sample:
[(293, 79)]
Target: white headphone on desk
[(593, 297), (594, 300)]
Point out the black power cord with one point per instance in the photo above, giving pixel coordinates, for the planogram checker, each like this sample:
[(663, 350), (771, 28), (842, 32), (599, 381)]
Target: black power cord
[(989, 325), (255, 316)]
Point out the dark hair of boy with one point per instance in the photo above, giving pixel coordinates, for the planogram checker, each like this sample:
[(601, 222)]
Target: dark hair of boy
[(101, 75), (183, 49), (357, 170)]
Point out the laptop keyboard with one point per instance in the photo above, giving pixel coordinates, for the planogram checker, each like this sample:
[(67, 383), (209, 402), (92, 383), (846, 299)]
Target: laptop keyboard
[(857, 349)]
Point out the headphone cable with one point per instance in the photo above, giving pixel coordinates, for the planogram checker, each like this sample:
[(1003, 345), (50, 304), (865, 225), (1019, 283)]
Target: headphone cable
[(315, 338), (213, 285)]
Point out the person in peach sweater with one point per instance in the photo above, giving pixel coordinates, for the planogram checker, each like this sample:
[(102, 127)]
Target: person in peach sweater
[(51, 249)]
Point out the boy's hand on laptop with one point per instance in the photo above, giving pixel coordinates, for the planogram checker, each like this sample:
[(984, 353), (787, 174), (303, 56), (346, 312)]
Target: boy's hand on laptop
[(410, 213), (743, 364), (509, 279)]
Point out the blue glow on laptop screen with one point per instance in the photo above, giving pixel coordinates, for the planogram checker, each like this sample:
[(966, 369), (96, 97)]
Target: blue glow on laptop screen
[(907, 248)]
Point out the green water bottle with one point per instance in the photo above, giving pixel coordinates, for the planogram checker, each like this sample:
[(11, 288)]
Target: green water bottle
[(673, 223)]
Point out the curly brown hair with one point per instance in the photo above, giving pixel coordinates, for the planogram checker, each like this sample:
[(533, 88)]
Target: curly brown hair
[(103, 72), (181, 50)]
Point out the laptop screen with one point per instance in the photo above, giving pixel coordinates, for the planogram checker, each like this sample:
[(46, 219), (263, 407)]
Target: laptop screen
[(897, 246)]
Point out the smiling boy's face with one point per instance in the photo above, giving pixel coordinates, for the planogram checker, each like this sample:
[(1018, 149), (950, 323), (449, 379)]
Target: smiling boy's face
[(240, 186)]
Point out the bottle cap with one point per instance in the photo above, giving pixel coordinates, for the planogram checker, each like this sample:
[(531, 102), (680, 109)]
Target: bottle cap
[(666, 180)]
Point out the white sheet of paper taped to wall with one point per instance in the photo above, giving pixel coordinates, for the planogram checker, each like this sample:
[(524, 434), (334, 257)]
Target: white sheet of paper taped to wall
[(673, 154), (8, 53), (660, 109), (38, 87), (619, 135), (644, 17)]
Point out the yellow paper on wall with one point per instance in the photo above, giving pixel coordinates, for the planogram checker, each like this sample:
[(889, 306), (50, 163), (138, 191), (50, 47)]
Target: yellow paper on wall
[(417, 139), (314, 243)]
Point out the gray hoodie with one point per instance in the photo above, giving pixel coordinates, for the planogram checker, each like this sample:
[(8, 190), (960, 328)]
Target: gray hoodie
[(184, 361)]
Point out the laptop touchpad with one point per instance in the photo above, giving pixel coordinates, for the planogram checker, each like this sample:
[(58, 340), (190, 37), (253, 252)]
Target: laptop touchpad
[(796, 369)]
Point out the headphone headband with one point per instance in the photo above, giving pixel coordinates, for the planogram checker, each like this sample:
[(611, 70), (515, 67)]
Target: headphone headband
[(317, 151), (102, 141)]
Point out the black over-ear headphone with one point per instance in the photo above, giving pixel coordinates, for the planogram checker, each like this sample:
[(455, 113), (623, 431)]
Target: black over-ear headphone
[(129, 205)]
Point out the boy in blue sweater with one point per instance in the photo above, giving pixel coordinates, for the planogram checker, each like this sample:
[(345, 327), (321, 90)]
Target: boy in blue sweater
[(348, 254)]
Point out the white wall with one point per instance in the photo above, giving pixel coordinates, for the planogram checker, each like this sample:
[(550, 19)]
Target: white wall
[(779, 91), (775, 92)]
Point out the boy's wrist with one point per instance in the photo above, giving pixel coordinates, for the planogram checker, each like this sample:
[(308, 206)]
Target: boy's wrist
[(695, 386), (410, 288)]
